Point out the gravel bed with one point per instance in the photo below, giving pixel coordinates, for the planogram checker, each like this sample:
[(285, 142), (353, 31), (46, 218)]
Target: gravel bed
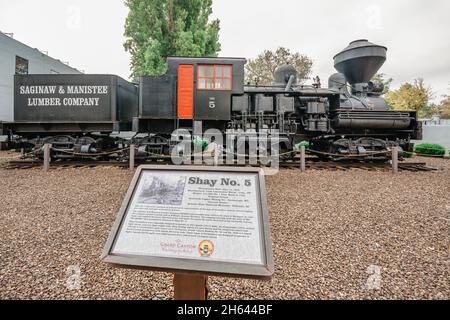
[(333, 232)]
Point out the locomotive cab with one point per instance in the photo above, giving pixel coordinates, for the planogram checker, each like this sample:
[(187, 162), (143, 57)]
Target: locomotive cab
[(193, 89)]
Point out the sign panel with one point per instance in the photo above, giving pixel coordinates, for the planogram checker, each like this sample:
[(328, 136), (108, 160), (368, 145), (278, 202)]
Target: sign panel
[(63, 98), (194, 219)]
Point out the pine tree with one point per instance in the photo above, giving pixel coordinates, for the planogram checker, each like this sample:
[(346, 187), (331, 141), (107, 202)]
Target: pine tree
[(156, 29)]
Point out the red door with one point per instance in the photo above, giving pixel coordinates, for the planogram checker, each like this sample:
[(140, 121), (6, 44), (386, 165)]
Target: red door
[(186, 91)]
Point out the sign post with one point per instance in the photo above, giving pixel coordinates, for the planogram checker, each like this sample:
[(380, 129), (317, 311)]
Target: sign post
[(47, 148), (194, 222), (303, 158), (190, 287), (132, 156), (395, 160)]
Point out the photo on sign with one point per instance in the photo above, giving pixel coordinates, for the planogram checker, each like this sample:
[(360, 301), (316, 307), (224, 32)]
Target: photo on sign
[(165, 190)]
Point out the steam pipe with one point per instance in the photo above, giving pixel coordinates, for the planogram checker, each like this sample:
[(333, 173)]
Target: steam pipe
[(290, 83)]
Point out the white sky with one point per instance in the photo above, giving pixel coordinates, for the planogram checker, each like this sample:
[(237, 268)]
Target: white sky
[(89, 33)]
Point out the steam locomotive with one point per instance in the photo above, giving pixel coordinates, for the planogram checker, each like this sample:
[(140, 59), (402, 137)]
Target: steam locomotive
[(81, 114)]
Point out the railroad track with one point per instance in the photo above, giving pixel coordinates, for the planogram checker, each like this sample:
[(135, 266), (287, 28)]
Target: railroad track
[(311, 164), (28, 164), (343, 166)]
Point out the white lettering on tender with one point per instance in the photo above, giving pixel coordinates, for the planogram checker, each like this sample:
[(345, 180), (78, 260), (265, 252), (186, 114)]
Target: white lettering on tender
[(87, 89), (76, 102), (37, 89), (43, 102), (70, 89), (87, 102)]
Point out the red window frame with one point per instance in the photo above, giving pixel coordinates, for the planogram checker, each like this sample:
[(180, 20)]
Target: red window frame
[(215, 76)]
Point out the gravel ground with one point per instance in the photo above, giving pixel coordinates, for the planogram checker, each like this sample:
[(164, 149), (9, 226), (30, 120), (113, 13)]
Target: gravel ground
[(332, 231)]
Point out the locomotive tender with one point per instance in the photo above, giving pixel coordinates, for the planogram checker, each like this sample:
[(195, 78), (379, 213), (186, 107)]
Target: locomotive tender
[(78, 113)]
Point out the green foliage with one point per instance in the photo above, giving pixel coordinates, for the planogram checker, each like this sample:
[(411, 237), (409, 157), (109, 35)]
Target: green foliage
[(410, 97), (407, 154), (201, 143), (444, 108), (305, 144), (430, 149), (261, 69), (157, 29), (381, 78), (428, 111)]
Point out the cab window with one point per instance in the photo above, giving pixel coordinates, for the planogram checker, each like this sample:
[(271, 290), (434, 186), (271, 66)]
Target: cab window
[(214, 77)]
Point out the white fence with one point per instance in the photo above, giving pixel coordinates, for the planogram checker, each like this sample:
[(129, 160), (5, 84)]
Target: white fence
[(439, 134)]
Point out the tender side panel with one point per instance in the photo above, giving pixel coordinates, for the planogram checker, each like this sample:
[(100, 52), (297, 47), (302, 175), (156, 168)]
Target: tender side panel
[(157, 97), (65, 98), (127, 100)]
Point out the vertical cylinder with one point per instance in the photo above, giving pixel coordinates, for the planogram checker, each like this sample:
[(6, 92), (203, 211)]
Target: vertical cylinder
[(132, 156), (303, 158), (47, 148), (395, 160)]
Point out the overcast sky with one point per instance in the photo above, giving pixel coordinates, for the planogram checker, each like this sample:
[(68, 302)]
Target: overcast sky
[(89, 33)]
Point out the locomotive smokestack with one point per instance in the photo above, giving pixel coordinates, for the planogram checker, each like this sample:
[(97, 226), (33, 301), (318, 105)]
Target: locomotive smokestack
[(360, 61)]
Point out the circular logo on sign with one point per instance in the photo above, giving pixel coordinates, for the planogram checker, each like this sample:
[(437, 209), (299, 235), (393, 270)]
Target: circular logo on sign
[(206, 248)]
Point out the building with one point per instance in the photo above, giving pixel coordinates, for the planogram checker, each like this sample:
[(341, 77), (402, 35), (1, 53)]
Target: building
[(18, 58), (436, 121)]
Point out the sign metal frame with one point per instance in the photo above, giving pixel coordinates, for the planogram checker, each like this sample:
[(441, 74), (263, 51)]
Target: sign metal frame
[(194, 266)]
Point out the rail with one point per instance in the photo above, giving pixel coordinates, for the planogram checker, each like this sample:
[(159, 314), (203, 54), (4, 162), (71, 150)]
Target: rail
[(311, 165), (314, 152)]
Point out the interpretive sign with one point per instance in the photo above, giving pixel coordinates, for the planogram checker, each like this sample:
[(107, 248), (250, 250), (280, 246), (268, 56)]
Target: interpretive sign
[(209, 220)]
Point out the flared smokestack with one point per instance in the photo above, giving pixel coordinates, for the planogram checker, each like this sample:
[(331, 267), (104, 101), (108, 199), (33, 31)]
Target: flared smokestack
[(360, 61)]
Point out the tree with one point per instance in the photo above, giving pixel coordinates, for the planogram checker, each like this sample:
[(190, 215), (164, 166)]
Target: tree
[(381, 78), (410, 97), (156, 29), (444, 108), (261, 69), (429, 111)]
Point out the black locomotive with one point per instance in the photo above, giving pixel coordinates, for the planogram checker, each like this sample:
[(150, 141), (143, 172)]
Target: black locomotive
[(79, 114)]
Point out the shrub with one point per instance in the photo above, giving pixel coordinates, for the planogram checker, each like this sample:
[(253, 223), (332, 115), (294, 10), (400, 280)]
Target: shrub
[(430, 149), (407, 154), (305, 144)]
